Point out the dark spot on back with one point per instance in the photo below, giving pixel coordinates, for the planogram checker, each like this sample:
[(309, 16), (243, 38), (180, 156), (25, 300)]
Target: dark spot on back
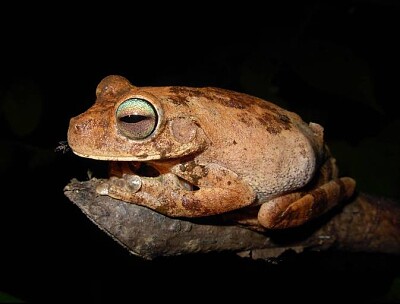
[(178, 100), (227, 98), (275, 123), (246, 120), (284, 118), (231, 99), (179, 94)]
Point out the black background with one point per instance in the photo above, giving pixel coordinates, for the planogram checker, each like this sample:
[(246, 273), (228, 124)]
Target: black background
[(333, 63)]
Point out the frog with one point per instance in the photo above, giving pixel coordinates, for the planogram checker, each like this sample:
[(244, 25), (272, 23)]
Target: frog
[(193, 152)]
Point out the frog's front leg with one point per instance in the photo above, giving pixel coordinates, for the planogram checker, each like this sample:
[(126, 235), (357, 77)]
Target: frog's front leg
[(297, 208), (216, 190)]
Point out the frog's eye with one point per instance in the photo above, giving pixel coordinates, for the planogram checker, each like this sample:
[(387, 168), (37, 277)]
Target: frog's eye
[(136, 118)]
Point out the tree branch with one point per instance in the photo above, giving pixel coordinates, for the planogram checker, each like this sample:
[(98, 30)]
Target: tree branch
[(365, 224)]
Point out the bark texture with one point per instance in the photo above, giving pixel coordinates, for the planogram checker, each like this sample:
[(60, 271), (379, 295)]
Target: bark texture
[(365, 224)]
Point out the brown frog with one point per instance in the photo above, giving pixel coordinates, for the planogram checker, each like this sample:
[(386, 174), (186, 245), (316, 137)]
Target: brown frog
[(193, 152)]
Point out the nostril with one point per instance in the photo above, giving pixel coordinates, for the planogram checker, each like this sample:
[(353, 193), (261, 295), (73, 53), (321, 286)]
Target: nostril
[(81, 126)]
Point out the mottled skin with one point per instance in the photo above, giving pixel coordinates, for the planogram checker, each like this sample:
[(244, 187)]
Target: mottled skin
[(214, 151)]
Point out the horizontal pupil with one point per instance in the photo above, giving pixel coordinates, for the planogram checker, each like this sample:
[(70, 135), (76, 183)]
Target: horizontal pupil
[(133, 118)]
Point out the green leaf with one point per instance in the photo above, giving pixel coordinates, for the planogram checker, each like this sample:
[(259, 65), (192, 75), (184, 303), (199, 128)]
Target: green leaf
[(7, 298)]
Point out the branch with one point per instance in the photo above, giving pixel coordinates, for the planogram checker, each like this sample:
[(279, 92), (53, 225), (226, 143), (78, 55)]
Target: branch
[(365, 224)]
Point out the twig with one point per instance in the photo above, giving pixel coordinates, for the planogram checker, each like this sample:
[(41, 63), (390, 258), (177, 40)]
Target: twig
[(365, 224)]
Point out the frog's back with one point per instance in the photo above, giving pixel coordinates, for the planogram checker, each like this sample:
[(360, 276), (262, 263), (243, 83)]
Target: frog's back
[(271, 148)]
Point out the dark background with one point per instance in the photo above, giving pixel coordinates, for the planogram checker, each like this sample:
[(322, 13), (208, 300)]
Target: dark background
[(333, 63)]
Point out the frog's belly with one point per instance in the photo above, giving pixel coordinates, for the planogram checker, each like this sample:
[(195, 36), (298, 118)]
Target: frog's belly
[(272, 170)]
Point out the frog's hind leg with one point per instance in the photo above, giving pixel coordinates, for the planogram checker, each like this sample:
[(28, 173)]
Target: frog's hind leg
[(297, 208)]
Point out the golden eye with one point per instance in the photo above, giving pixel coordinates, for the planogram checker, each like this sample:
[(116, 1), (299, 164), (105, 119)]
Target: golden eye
[(136, 118)]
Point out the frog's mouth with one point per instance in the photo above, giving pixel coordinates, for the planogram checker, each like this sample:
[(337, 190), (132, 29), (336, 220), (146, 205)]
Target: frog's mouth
[(142, 170)]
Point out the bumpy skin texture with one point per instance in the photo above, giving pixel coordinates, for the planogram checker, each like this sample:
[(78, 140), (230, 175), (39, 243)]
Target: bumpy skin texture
[(214, 151)]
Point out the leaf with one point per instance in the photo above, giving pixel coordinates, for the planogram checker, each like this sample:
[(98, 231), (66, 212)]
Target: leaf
[(7, 298)]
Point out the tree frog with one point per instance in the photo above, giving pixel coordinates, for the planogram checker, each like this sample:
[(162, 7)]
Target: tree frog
[(193, 152)]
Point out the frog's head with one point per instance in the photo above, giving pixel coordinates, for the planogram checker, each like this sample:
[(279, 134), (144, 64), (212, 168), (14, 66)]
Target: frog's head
[(127, 123)]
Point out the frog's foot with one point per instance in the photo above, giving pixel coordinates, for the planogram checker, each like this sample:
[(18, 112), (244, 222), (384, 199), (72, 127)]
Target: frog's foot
[(297, 208)]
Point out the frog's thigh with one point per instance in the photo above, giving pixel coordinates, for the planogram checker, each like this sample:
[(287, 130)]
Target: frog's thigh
[(297, 208), (220, 190)]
